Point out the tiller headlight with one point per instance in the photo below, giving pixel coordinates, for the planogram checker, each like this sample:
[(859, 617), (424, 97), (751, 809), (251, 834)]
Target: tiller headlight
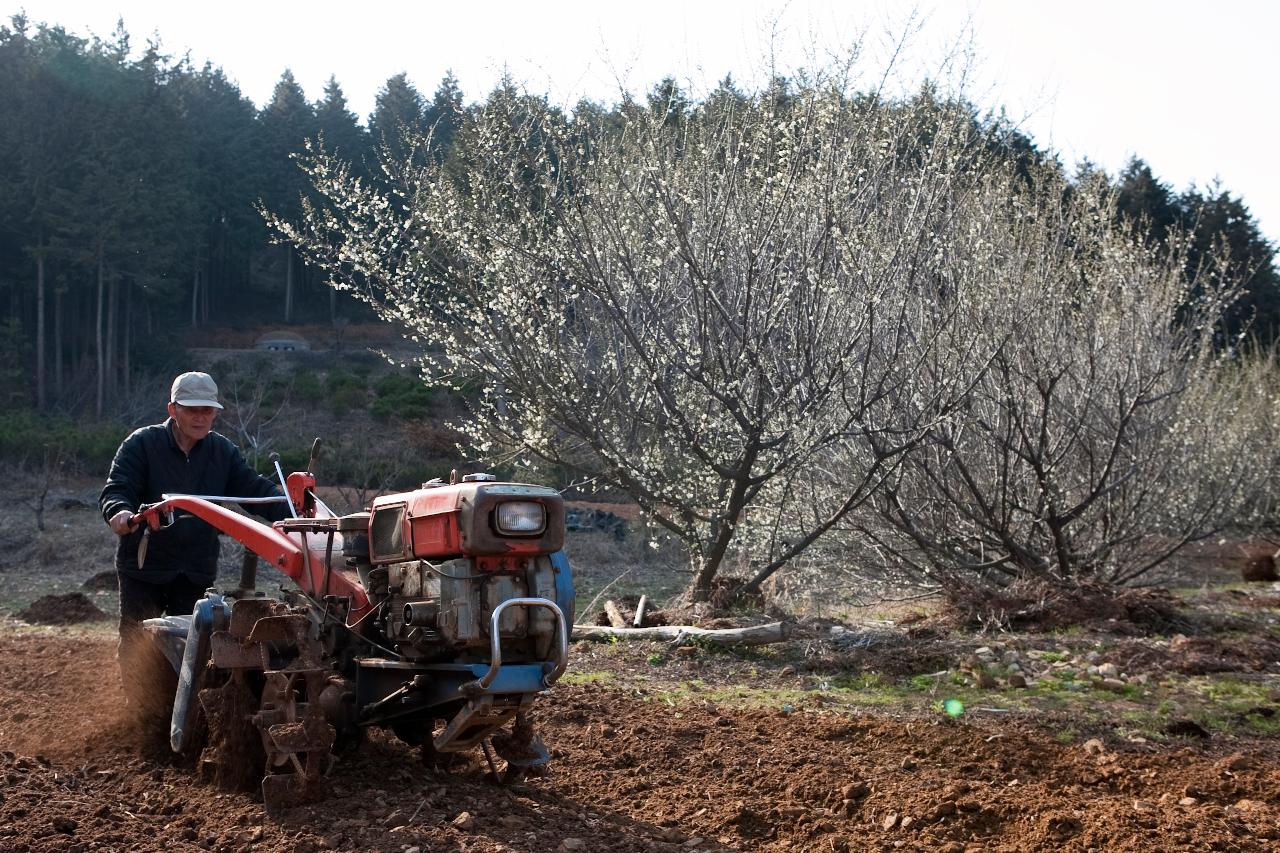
[(520, 518)]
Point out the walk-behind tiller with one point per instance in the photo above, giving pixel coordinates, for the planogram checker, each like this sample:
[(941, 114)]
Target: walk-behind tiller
[(439, 613)]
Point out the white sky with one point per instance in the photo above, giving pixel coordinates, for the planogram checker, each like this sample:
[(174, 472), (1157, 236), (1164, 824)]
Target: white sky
[(1188, 85)]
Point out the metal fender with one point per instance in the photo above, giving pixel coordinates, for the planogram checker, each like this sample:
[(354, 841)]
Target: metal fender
[(565, 596)]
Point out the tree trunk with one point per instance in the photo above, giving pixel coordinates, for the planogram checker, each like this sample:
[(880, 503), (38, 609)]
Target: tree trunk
[(57, 341), (128, 323), (40, 347), (722, 530), (288, 284), (195, 296), (704, 572), (97, 338), (709, 566), (113, 302), (616, 618)]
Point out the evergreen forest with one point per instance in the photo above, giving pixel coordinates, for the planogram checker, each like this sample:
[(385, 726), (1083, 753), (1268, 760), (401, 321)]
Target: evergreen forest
[(133, 186)]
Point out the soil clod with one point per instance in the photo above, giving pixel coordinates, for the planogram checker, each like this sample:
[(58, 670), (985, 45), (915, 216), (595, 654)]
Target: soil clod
[(68, 609), (107, 581)]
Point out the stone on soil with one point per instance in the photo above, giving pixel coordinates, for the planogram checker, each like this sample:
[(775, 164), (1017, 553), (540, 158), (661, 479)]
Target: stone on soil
[(855, 790)]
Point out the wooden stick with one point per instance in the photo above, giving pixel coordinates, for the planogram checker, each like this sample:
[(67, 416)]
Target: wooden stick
[(641, 607)]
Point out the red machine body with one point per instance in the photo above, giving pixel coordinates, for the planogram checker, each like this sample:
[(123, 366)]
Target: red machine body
[(447, 521)]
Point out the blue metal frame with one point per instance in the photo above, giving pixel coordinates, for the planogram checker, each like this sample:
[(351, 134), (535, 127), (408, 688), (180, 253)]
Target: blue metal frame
[(448, 678), (565, 596), (194, 657)]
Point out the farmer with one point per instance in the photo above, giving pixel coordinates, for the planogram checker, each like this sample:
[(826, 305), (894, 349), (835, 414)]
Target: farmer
[(180, 456)]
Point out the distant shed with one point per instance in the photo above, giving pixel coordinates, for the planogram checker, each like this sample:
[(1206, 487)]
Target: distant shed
[(282, 342)]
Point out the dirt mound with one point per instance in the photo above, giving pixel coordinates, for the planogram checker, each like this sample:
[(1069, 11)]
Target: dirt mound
[(627, 605), (724, 609), (1198, 655), (107, 581), (1048, 607), (1259, 569), (68, 609)]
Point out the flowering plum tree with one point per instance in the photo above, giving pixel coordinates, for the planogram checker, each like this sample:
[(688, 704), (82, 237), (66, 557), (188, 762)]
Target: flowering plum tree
[(701, 306), (1112, 427), (812, 315)]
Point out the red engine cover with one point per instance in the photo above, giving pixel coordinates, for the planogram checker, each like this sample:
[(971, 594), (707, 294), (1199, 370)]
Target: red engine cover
[(457, 521)]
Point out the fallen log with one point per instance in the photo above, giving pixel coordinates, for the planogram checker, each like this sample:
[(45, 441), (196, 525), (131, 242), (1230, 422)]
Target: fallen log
[(753, 635)]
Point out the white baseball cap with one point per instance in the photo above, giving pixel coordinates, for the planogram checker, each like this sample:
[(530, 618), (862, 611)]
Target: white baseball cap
[(195, 389)]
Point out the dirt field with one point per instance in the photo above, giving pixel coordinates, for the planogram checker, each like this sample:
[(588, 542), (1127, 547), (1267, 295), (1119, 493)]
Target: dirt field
[(634, 770), (1152, 727)]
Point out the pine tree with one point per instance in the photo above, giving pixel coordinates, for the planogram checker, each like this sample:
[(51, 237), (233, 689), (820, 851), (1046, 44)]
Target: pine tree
[(1221, 221), (287, 122), (399, 113), (443, 116), (224, 136), (340, 127), (1147, 201)]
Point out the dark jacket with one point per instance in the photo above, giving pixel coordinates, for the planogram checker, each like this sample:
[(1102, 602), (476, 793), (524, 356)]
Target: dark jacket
[(149, 464)]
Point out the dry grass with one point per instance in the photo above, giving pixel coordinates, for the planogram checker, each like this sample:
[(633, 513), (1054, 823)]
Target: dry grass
[(74, 546), (628, 566)]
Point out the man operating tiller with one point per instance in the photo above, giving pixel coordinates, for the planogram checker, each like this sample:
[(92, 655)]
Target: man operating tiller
[(164, 572)]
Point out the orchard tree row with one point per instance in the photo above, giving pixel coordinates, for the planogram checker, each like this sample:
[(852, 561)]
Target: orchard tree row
[(823, 318)]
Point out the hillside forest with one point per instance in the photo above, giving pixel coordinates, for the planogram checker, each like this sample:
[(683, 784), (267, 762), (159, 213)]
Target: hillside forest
[(131, 182)]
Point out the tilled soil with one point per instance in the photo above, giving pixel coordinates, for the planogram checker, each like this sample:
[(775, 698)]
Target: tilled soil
[(629, 774)]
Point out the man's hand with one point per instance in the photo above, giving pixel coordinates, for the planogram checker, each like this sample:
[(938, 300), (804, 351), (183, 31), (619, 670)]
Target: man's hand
[(119, 523)]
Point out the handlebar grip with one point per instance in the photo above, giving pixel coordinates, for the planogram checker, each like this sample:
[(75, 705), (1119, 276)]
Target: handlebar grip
[(139, 518)]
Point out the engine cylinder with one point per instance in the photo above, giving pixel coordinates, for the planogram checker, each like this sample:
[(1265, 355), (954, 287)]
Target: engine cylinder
[(421, 614)]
